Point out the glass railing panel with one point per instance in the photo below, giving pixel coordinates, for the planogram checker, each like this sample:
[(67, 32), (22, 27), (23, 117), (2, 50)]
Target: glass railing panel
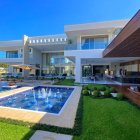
[(10, 56), (59, 60), (86, 46)]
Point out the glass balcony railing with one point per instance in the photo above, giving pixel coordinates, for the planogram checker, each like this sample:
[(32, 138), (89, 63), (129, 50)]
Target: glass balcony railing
[(86, 46), (11, 56), (60, 61)]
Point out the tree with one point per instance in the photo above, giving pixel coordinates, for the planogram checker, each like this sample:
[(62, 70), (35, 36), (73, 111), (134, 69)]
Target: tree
[(3, 67)]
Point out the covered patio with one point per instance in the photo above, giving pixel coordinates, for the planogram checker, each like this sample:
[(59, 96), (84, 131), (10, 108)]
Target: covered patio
[(104, 70)]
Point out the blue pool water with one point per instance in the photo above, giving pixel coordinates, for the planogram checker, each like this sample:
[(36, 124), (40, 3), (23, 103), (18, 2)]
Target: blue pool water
[(41, 98)]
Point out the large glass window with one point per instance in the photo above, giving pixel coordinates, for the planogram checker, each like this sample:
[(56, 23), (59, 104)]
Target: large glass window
[(12, 54), (100, 43), (94, 43)]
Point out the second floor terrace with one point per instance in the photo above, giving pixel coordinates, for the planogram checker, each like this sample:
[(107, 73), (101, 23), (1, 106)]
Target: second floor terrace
[(88, 43), (11, 57), (47, 40)]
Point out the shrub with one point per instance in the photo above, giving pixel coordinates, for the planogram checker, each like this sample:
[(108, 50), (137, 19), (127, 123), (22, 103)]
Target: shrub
[(96, 93), (85, 92), (85, 87), (113, 90), (107, 93), (91, 87), (119, 96), (95, 88), (102, 88)]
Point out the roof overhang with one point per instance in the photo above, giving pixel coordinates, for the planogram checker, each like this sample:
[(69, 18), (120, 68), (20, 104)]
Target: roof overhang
[(10, 45), (107, 61), (127, 42), (95, 28)]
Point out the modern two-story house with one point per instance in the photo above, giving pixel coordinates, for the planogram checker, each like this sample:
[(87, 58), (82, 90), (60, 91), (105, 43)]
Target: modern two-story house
[(85, 50)]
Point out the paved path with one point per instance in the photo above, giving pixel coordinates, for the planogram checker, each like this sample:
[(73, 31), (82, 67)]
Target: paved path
[(45, 135)]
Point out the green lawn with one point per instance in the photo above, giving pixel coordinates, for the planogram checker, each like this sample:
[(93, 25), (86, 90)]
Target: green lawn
[(67, 82), (103, 119), (14, 132), (109, 119)]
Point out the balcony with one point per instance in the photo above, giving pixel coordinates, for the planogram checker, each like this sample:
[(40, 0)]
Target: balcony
[(47, 40), (86, 46), (60, 61), (84, 50), (11, 58)]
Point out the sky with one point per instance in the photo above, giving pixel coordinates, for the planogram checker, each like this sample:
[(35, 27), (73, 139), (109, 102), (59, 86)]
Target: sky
[(47, 17)]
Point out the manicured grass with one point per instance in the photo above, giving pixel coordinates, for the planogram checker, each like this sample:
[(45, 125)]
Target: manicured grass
[(109, 119), (67, 82), (14, 132)]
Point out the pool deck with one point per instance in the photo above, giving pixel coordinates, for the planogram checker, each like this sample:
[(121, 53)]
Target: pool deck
[(65, 119)]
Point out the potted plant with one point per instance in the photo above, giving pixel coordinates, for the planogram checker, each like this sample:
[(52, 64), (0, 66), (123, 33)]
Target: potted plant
[(107, 93), (102, 90), (85, 92), (96, 93), (113, 92)]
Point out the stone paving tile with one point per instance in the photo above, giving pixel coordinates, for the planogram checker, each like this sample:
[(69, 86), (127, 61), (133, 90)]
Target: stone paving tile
[(44, 135)]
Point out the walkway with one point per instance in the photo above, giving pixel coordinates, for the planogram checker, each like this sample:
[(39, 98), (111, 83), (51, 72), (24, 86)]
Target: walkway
[(44, 135)]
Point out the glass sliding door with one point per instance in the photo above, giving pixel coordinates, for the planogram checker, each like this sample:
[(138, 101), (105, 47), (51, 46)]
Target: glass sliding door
[(86, 70)]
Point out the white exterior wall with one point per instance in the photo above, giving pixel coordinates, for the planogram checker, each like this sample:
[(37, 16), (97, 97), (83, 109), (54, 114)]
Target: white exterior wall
[(79, 54), (96, 53), (36, 57)]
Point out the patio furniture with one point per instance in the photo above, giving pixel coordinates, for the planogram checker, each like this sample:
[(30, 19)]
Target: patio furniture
[(134, 90)]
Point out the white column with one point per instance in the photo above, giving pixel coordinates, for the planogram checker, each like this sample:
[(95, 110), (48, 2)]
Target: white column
[(25, 73), (79, 42), (78, 70)]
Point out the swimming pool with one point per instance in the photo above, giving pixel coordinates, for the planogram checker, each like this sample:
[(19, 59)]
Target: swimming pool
[(41, 98)]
